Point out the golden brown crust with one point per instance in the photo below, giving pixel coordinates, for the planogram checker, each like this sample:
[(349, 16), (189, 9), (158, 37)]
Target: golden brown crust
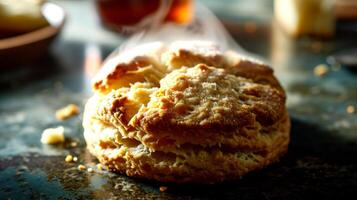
[(198, 165), (189, 54), (130, 67), (255, 70), (187, 103)]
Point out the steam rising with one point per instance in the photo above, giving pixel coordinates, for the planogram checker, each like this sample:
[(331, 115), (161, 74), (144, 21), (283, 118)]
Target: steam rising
[(204, 27)]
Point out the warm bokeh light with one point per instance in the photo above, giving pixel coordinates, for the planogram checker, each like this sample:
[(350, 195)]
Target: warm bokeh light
[(181, 11)]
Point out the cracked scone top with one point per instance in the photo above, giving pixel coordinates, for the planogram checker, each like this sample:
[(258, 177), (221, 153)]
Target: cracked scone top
[(186, 112)]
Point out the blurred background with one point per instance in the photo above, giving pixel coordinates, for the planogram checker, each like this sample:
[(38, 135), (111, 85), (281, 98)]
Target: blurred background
[(316, 26), (49, 51)]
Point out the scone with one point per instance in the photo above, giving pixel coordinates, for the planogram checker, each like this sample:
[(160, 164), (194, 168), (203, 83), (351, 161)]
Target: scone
[(186, 112)]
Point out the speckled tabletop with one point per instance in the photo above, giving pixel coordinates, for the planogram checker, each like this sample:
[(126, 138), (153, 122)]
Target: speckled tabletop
[(321, 162)]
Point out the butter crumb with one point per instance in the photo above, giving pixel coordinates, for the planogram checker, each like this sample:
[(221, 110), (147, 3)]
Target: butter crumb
[(163, 188), (100, 166), (81, 167), (90, 170), (350, 109), (69, 158), (75, 159), (74, 144), (67, 112), (53, 135), (321, 70)]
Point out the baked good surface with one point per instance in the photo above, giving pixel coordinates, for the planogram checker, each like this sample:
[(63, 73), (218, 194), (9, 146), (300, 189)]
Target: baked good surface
[(186, 112)]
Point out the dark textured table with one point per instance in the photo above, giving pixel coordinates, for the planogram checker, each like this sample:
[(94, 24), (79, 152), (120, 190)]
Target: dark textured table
[(321, 162)]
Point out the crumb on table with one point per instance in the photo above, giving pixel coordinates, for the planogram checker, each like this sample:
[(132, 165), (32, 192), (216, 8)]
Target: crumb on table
[(74, 144), (66, 112), (69, 158), (321, 70), (350, 109), (81, 167), (53, 135), (100, 166), (163, 188)]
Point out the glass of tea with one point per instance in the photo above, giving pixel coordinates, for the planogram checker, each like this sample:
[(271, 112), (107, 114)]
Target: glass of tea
[(133, 15)]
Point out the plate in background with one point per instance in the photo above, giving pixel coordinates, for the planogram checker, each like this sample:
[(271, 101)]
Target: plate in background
[(31, 46)]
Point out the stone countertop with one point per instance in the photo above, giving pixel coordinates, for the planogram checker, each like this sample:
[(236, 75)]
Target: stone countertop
[(321, 162)]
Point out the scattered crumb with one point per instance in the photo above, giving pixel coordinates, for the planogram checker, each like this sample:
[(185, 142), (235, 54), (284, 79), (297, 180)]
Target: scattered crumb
[(350, 109), (69, 158), (90, 170), (74, 144), (53, 135), (66, 112), (321, 70), (163, 188), (100, 166), (81, 167), (75, 159)]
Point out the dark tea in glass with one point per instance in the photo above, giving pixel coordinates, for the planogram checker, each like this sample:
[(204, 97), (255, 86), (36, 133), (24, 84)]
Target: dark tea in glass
[(119, 14)]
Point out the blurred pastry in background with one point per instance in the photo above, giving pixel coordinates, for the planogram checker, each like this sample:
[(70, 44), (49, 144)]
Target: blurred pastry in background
[(306, 17), (20, 16)]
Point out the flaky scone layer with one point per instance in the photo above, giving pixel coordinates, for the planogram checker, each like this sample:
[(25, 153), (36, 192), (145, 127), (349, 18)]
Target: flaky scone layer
[(175, 113), (190, 164)]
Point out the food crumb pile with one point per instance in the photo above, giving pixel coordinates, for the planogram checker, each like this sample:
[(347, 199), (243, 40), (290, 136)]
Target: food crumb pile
[(163, 188), (53, 135), (82, 167), (67, 112), (350, 109), (321, 70)]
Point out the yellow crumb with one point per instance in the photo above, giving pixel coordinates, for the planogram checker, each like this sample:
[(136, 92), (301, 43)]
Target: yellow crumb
[(74, 144), (350, 109), (67, 112), (321, 70), (100, 167), (69, 158), (82, 167), (163, 188), (75, 159), (53, 135)]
